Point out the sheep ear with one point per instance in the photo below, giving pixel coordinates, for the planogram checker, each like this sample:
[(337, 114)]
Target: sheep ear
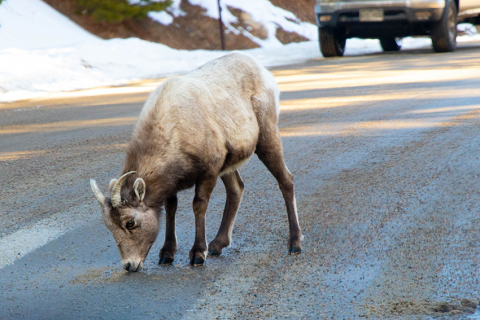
[(112, 184), (139, 187)]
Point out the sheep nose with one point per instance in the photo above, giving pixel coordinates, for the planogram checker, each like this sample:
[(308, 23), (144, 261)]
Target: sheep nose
[(127, 266)]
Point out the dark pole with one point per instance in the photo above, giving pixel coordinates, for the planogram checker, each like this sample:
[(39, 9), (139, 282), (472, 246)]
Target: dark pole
[(222, 39)]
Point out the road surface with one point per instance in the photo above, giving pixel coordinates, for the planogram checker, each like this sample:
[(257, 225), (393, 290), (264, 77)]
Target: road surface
[(385, 150)]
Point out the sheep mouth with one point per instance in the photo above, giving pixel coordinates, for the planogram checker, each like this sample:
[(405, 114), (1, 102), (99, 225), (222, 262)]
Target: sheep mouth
[(132, 266)]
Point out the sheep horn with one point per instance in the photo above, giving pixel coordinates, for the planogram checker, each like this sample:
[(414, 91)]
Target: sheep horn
[(98, 194), (116, 198)]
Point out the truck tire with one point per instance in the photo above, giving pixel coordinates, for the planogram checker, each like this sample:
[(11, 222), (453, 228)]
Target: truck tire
[(391, 43), (444, 32), (332, 42)]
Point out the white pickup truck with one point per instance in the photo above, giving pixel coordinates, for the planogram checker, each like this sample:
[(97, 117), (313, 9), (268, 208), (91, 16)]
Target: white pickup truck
[(390, 20)]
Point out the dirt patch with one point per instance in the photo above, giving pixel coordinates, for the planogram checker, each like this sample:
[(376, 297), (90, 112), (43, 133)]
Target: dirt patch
[(303, 9), (246, 22), (258, 30), (101, 275), (463, 306), (289, 37), (190, 32), (193, 31)]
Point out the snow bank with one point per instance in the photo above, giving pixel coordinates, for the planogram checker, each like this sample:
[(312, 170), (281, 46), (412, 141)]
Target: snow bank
[(42, 51), (32, 24)]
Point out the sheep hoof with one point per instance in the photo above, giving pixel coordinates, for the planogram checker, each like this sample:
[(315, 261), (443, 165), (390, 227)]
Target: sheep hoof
[(197, 262), (214, 253), (165, 260), (294, 250)]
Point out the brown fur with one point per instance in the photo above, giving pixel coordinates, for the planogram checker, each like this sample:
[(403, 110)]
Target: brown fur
[(192, 130)]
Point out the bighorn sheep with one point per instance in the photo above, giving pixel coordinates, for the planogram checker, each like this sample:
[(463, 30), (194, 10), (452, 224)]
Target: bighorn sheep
[(192, 130)]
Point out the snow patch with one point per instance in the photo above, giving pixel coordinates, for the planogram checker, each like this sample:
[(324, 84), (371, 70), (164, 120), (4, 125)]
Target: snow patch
[(175, 10), (32, 24), (468, 28), (162, 17)]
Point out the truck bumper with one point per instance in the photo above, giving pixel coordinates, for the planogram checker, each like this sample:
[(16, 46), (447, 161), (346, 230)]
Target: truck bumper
[(331, 14)]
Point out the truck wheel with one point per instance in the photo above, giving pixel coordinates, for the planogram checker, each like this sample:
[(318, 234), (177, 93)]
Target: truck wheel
[(444, 32), (391, 43), (332, 42)]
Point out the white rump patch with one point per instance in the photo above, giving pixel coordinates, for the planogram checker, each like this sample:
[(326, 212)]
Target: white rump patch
[(270, 82)]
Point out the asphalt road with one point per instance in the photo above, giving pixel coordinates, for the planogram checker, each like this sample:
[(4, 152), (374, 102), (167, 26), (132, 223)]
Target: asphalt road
[(385, 150)]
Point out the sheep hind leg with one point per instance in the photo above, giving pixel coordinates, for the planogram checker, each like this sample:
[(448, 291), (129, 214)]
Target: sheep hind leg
[(270, 152), (234, 189)]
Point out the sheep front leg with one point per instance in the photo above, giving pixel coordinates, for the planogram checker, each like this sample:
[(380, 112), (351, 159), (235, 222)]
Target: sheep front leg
[(167, 253), (203, 190)]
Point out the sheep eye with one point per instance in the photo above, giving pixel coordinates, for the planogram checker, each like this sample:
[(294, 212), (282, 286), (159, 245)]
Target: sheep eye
[(130, 224)]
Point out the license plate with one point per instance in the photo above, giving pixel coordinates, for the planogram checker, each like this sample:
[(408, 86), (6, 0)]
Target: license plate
[(371, 15)]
